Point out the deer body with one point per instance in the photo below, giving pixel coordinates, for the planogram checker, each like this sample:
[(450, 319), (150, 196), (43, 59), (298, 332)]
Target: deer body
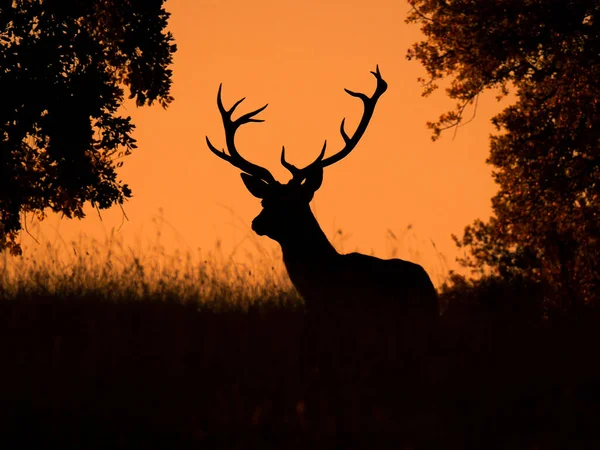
[(354, 279), (322, 276)]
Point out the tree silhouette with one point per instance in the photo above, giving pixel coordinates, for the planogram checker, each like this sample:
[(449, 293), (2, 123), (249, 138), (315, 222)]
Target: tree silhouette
[(63, 69), (546, 214)]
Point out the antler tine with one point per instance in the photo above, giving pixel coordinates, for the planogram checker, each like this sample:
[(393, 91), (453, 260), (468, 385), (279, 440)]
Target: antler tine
[(295, 171), (369, 105), (234, 158)]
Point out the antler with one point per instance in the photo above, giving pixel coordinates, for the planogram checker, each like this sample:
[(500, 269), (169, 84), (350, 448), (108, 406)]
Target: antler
[(234, 158), (369, 104)]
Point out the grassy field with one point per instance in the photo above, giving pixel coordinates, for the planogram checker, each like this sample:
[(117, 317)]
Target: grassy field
[(111, 348)]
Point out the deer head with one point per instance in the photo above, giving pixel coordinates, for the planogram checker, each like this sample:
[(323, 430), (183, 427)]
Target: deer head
[(285, 206)]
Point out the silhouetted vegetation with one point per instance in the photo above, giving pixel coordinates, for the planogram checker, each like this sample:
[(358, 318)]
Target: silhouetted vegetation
[(546, 214), (63, 67), (122, 349)]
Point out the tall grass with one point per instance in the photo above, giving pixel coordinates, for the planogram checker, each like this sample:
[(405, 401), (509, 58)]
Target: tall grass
[(114, 271)]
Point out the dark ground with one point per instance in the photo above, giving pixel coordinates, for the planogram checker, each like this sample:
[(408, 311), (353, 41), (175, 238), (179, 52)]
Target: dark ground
[(87, 374)]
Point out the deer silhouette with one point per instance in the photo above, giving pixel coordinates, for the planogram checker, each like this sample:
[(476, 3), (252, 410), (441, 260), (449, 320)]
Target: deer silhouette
[(321, 275)]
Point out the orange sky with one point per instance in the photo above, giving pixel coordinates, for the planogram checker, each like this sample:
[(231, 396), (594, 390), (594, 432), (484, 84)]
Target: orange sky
[(298, 57)]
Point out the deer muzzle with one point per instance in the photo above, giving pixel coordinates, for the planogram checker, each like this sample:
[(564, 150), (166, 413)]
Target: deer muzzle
[(258, 225)]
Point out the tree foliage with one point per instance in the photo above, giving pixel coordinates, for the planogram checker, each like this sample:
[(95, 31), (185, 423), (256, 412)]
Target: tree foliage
[(64, 65), (546, 156)]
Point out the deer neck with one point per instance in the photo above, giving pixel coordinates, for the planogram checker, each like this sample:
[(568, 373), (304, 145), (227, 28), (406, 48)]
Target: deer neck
[(308, 244)]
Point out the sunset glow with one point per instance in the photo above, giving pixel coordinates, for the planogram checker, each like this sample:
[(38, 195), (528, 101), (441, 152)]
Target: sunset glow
[(397, 195)]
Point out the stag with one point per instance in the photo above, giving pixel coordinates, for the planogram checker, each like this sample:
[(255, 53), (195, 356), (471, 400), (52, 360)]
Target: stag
[(321, 275)]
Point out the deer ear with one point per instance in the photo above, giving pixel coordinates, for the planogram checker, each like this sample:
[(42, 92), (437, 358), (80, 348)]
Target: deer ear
[(256, 186), (313, 180)]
